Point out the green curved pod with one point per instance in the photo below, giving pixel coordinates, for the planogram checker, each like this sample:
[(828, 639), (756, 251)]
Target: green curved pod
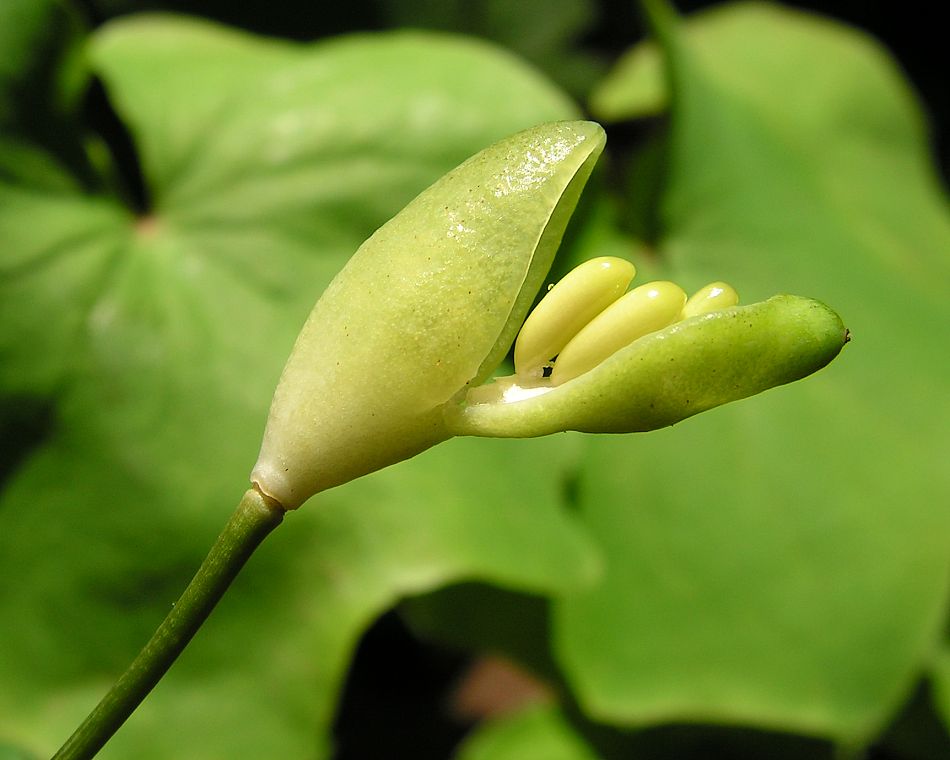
[(427, 307), (674, 373)]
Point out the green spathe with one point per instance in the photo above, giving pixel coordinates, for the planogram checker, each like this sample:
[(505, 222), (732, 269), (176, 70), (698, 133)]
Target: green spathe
[(430, 304), (674, 373), (427, 306)]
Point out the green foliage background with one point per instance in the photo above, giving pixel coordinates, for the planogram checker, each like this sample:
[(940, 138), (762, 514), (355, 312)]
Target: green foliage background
[(775, 569)]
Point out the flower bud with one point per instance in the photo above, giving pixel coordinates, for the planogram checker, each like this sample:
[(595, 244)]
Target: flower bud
[(428, 306), (393, 357)]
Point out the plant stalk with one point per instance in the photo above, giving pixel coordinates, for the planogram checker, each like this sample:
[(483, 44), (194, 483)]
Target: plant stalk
[(255, 517)]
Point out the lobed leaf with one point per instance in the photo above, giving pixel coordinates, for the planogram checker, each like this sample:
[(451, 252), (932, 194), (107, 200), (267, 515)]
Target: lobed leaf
[(757, 555), (145, 350)]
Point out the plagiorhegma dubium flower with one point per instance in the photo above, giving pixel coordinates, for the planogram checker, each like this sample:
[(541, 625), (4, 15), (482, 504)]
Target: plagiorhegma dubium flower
[(395, 355)]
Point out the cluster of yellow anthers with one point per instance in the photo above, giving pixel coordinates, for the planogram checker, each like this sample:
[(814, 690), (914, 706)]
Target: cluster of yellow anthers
[(589, 315)]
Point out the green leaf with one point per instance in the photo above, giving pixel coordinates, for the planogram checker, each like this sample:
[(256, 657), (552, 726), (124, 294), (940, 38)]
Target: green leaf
[(147, 349), (536, 733), (210, 84), (783, 563), (635, 87), (545, 32)]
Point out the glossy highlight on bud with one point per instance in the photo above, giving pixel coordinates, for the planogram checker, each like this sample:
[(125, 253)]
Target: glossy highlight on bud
[(715, 296)]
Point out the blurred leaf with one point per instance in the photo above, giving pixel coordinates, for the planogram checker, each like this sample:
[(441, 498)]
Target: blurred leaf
[(536, 733), (9, 752), (210, 85), (783, 563), (475, 617), (545, 32), (150, 348), (635, 87)]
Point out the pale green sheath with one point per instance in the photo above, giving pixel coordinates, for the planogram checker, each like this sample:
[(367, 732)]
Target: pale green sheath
[(428, 305)]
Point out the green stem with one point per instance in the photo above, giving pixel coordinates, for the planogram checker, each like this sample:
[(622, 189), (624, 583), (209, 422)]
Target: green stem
[(255, 517)]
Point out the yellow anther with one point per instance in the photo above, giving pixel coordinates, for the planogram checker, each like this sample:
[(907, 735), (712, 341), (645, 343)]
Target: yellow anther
[(643, 310), (581, 295), (715, 296)]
